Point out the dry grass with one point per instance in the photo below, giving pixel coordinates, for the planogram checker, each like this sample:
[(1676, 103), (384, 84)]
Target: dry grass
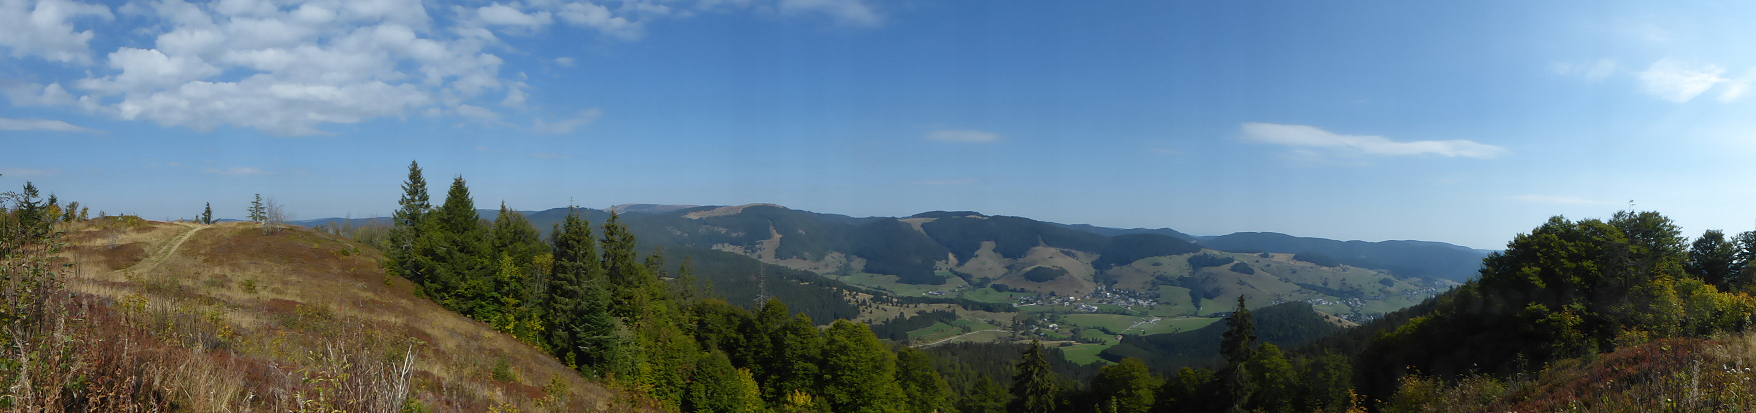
[(1668, 375), (236, 320)]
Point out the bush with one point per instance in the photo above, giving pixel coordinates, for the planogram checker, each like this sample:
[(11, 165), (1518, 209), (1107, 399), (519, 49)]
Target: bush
[(1243, 268), (1044, 274), (1319, 259), (1199, 261)]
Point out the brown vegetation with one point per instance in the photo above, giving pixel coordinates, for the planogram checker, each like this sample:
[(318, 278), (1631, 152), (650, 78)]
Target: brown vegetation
[(235, 320)]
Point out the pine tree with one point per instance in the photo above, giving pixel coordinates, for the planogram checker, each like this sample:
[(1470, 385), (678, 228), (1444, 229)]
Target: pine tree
[(1035, 387), (625, 274), (926, 390), (206, 214), (407, 229), (258, 213), (455, 246), (1238, 345), (575, 270)]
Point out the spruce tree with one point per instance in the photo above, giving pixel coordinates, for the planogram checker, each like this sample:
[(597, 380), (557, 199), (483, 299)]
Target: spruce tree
[(258, 213), (206, 214), (1035, 387), (626, 276), (926, 390), (462, 265), (1238, 345), (575, 270), (406, 229)]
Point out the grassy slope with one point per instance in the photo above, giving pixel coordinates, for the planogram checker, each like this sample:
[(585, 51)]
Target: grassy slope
[(285, 304)]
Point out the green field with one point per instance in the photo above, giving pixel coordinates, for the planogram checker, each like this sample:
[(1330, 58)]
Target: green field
[(988, 295), (974, 325), (888, 283), (1084, 353), (1089, 334), (1113, 322), (939, 330), (1170, 325)]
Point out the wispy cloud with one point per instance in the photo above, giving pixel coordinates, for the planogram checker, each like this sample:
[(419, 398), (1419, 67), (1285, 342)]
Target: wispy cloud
[(969, 181), (1557, 199), (1679, 82), (849, 12), (566, 126), (954, 135), (1596, 71), (29, 124), (566, 61), (1306, 139), (235, 171), (540, 155), (29, 172)]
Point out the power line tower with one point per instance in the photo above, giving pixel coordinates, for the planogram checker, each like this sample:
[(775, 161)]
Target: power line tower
[(761, 285)]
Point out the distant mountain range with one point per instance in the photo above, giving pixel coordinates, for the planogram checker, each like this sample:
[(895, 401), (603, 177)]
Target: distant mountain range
[(929, 247)]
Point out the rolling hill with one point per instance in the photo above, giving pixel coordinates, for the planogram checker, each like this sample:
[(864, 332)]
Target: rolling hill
[(294, 319)]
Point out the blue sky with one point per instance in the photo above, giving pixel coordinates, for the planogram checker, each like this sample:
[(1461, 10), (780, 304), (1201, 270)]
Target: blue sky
[(1457, 122)]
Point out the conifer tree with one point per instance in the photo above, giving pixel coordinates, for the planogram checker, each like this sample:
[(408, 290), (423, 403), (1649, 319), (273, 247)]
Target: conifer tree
[(1238, 345), (626, 276), (206, 213), (258, 212), (407, 228), (462, 265), (1034, 387), (575, 270), (926, 390)]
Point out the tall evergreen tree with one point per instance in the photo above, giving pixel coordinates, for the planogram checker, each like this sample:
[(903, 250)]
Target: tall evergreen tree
[(1035, 388), (407, 228), (463, 267), (575, 271), (259, 213), (926, 390), (1238, 345), (207, 214), (625, 274), (1743, 261)]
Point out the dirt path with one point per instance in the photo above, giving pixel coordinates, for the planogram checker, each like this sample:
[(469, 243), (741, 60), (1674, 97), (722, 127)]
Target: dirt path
[(152, 262)]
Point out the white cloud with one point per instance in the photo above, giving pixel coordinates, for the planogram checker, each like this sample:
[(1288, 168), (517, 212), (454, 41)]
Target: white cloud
[(1679, 82), (565, 126), (31, 94), (1305, 138), (953, 135), (595, 16), (293, 67), (504, 15), (42, 124), (235, 171), (850, 12), (1735, 88), (45, 29), (1557, 199)]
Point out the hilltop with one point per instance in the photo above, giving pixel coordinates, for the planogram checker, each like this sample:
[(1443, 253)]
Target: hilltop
[(254, 320)]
